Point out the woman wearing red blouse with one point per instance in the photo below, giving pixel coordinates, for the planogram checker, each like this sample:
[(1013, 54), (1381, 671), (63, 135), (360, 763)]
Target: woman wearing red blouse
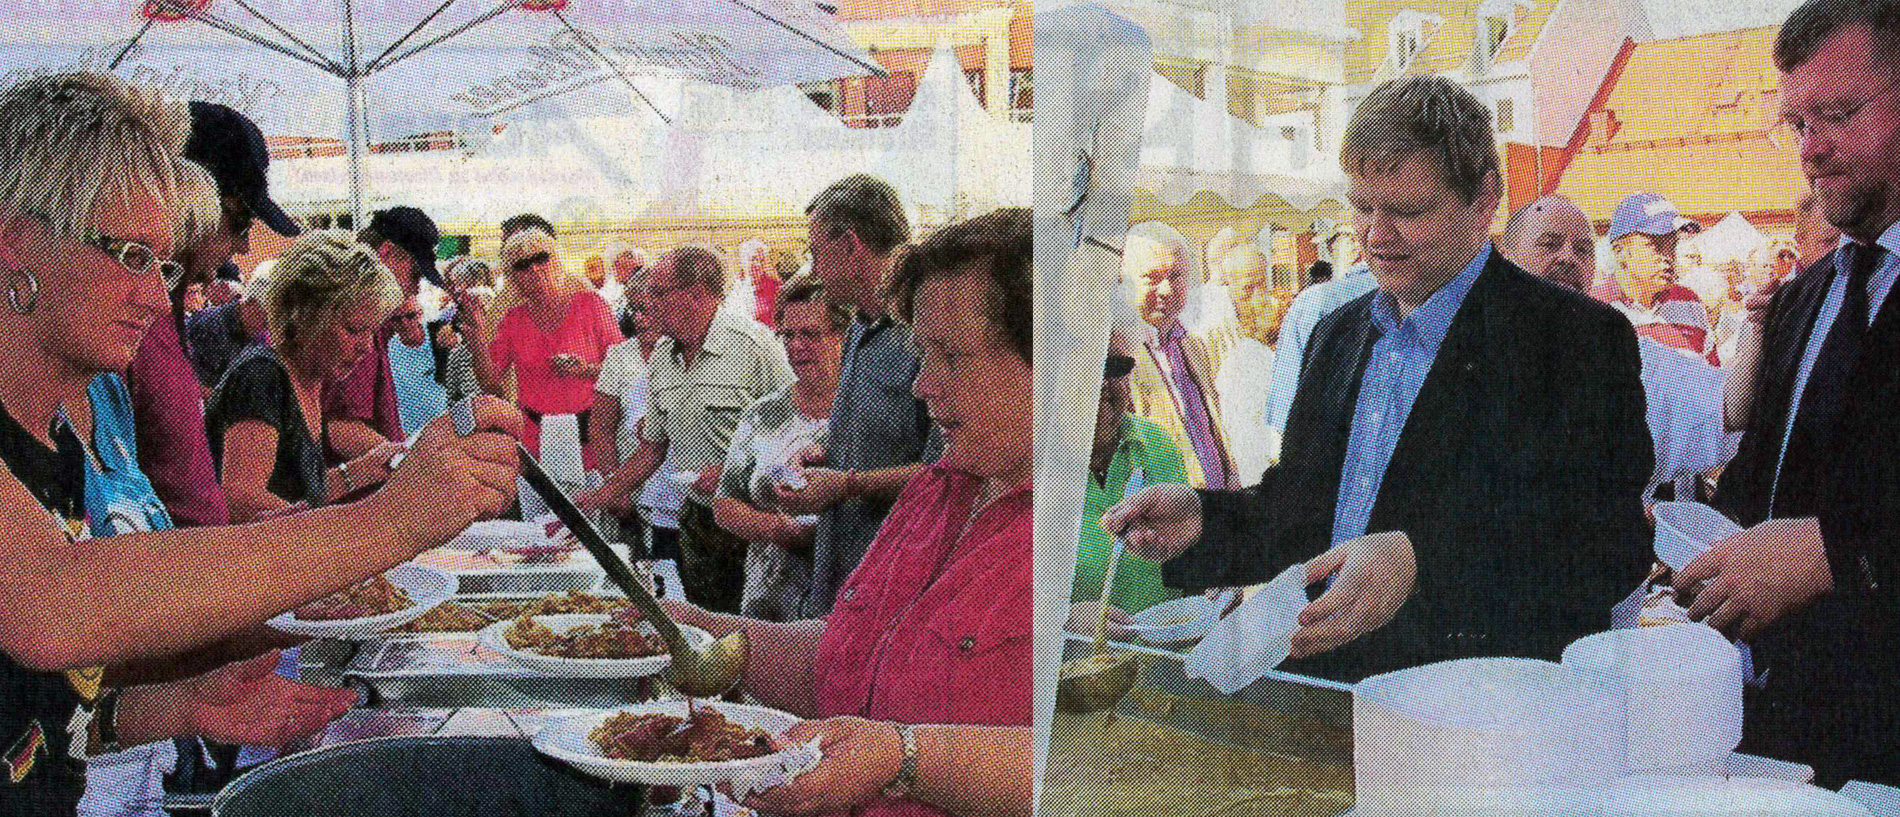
[(554, 339), (918, 684)]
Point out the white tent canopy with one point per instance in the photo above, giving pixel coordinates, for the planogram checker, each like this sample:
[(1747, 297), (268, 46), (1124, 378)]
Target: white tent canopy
[(1731, 239), (732, 155), (1189, 145)]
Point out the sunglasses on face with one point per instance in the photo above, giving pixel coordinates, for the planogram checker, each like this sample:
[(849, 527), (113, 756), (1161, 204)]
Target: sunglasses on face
[(531, 261), (239, 219), (408, 316)]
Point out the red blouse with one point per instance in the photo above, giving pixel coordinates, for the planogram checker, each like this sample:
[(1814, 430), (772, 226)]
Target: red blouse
[(934, 626)]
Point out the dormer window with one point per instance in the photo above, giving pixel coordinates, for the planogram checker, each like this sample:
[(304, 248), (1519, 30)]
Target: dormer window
[(1498, 22), (1407, 35)]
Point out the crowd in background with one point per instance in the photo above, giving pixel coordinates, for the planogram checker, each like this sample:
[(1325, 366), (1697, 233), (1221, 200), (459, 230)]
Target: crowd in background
[(191, 449), (1467, 433)]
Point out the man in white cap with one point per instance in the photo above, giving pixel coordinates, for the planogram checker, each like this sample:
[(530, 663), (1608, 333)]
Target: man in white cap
[(1552, 239), (1643, 233)]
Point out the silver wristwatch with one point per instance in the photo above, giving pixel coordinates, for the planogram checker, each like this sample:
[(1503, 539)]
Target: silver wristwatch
[(905, 782)]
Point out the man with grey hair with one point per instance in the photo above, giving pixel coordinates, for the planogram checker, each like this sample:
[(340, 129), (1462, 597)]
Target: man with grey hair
[(880, 434), (709, 366), (1814, 584), (1485, 427), (1173, 380)]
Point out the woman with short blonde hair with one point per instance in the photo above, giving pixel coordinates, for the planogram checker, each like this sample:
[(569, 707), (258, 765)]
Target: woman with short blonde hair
[(323, 305), (93, 191)]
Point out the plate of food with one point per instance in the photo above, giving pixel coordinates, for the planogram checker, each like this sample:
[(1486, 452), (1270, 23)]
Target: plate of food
[(447, 617), (400, 595), (584, 645), (682, 743), (547, 604)]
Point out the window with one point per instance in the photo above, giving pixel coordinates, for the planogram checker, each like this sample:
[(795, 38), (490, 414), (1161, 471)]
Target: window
[(823, 94), (1496, 31), (1408, 33), (1498, 20), (1022, 94), (1409, 43), (974, 76)]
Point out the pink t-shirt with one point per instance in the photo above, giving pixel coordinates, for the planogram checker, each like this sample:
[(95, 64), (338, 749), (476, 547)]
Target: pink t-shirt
[(934, 627), (367, 393), (586, 331)]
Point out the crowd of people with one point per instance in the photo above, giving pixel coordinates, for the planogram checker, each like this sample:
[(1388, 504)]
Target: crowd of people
[(1515, 412), (191, 450)]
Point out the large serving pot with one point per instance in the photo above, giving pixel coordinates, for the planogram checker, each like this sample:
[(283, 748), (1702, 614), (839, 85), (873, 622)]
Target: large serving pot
[(424, 777)]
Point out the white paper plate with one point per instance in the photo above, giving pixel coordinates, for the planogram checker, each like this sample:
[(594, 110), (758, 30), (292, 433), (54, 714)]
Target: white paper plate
[(567, 740), (493, 637), (1179, 621), (427, 587)]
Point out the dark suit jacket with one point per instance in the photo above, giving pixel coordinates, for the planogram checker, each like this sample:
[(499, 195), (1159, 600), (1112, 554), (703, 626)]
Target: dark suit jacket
[(1833, 694), (1518, 479)]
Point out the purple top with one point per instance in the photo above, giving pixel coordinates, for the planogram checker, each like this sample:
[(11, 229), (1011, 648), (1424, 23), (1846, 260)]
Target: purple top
[(1192, 402), (168, 412)]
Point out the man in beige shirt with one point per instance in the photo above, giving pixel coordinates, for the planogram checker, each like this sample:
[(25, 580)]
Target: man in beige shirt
[(707, 368)]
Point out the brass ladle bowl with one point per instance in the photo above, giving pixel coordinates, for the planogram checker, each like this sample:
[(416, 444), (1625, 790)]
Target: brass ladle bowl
[(1101, 679)]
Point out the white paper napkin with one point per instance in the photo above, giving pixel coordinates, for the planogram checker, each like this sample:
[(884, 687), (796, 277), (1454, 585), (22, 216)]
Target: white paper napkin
[(791, 763), (1253, 639)]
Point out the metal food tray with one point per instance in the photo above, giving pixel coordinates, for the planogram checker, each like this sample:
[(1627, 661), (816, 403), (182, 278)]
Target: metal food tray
[(579, 572), (1295, 720), (452, 670)]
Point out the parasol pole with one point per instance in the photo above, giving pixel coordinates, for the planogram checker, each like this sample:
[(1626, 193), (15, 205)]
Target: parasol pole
[(358, 117), (358, 143)]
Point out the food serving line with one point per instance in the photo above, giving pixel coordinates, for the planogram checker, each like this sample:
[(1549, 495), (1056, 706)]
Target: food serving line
[(458, 697), (1187, 716), (545, 681)]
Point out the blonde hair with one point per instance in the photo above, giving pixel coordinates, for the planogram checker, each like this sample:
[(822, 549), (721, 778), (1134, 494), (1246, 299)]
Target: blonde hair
[(72, 141), (325, 273), (524, 244), (202, 209)]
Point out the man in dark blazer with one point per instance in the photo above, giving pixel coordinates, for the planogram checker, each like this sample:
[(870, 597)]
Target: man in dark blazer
[(1494, 419), (1813, 583)]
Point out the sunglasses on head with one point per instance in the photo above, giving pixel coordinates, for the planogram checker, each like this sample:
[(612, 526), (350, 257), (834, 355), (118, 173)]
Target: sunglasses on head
[(531, 261)]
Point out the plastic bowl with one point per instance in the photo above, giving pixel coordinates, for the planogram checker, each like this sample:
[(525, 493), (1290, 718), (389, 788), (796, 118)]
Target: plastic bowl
[(1684, 530)]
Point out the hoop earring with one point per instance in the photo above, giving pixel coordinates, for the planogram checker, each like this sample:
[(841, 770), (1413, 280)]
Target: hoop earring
[(32, 291)]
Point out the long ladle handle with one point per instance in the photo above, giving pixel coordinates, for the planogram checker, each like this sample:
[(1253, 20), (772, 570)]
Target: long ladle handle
[(590, 538), (1136, 478), (462, 413)]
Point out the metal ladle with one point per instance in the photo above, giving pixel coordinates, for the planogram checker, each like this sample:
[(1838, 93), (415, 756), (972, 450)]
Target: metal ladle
[(1100, 679), (705, 672)]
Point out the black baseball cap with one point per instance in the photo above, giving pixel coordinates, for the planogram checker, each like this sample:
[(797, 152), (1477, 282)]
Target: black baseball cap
[(1117, 366), (415, 232), (232, 149)]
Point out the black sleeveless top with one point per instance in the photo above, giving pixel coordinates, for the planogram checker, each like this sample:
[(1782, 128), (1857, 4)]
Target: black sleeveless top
[(44, 715)]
